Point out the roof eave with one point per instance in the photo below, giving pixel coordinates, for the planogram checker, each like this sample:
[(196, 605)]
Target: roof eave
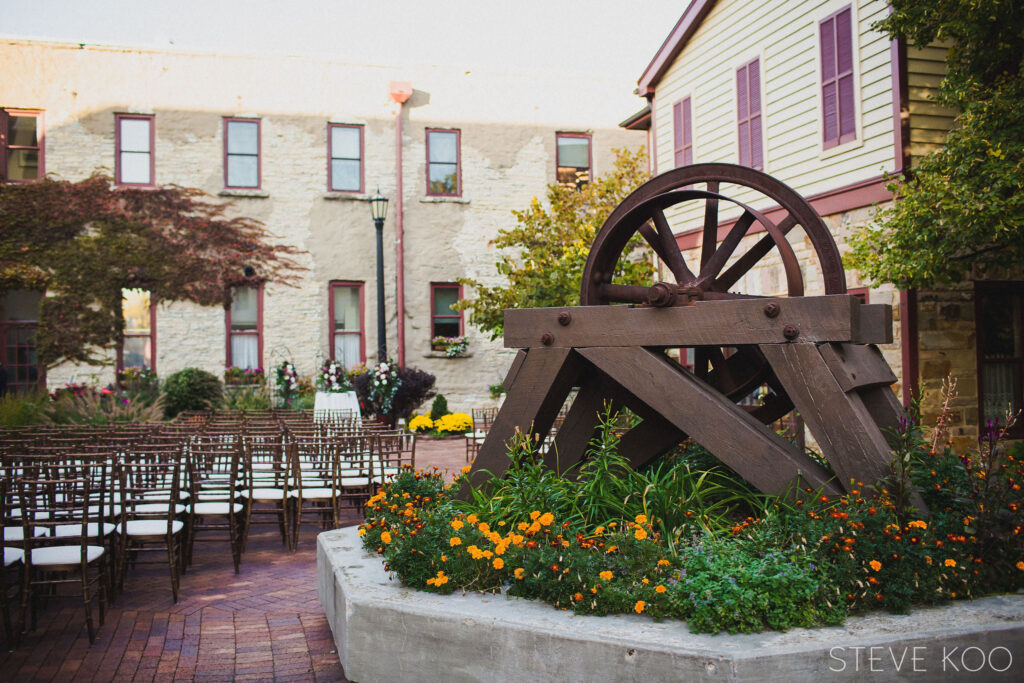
[(673, 45)]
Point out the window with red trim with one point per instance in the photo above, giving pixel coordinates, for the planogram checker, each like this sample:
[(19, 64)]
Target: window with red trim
[(345, 157), (748, 107), (134, 159), (574, 159), (837, 92), (444, 322), (348, 342), (682, 132), (444, 161), (999, 310), (245, 328), (242, 153), (138, 348), (21, 145)]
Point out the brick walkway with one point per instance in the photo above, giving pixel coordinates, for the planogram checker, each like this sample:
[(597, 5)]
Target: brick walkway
[(262, 624)]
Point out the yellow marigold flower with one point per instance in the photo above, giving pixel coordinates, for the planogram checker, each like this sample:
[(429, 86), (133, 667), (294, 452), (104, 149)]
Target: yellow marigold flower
[(663, 563), (535, 514), (606, 575), (362, 531), (640, 534), (498, 563), (950, 563), (518, 573), (385, 537), (660, 589), (639, 606), (612, 525), (640, 519), (471, 519), (645, 581), (875, 565), (546, 519), (454, 541), (466, 469), (456, 524)]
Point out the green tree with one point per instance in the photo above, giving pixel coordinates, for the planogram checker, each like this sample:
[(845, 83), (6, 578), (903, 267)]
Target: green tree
[(548, 248), (960, 213), (83, 242)]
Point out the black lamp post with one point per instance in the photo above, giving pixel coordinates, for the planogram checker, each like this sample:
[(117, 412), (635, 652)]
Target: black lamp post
[(379, 209)]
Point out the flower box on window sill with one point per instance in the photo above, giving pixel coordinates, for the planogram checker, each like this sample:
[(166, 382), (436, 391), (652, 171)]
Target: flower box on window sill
[(441, 354)]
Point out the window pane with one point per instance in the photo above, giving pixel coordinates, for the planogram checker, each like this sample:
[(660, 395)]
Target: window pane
[(134, 135), (245, 350), (243, 309), (573, 152), (1000, 388), (446, 328), (137, 352), (344, 142), (346, 308), (135, 308), (443, 146), (21, 131), (135, 167), (243, 137), (242, 171), (1000, 320), (346, 349), (345, 174), (21, 304), (22, 164), (444, 297), (443, 179)]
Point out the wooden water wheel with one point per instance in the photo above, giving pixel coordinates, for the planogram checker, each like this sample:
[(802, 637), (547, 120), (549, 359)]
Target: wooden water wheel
[(816, 353)]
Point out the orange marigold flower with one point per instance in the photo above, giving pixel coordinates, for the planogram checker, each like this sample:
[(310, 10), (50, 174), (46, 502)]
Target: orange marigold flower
[(498, 563), (577, 596), (471, 519), (518, 573), (385, 537), (917, 524), (660, 589), (640, 519), (534, 515), (598, 531), (950, 563), (663, 563), (645, 581), (875, 565), (466, 469), (639, 606), (606, 575), (546, 519), (454, 541), (611, 549), (1020, 565), (640, 534), (456, 524), (554, 567)]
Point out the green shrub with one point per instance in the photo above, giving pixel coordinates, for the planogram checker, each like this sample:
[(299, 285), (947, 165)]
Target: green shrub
[(23, 408), (247, 398), (101, 407), (439, 408), (191, 389)]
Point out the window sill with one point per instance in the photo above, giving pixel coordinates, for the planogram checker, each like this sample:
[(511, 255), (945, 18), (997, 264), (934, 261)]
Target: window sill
[(347, 196), (441, 354), (443, 200), (252, 194), (836, 150)]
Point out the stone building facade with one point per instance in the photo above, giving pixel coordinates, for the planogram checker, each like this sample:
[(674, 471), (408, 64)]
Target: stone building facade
[(94, 105)]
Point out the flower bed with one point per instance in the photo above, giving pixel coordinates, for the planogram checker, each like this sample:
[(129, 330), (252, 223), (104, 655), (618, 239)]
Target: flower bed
[(452, 424), (686, 539)]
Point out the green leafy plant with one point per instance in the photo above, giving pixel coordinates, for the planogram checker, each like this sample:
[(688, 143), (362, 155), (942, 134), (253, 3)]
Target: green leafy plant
[(97, 407), (17, 409), (191, 389), (496, 390), (439, 408), (247, 398)]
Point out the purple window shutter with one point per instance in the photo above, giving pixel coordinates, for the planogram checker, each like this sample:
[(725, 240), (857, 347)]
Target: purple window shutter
[(844, 63), (677, 134), (687, 133), (754, 76), (743, 115), (839, 124)]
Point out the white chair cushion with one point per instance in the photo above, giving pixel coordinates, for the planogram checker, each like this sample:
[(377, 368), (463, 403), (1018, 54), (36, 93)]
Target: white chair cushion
[(264, 494), (316, 492), (151, 527), (164, 494), (63, 555), (17, 533), (12, 555), (215, 508), (355, 481), (65, 530)]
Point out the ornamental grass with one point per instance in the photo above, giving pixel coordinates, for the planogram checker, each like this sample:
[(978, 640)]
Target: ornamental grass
[(688, 539)]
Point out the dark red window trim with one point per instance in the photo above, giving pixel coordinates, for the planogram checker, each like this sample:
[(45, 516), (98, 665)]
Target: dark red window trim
[(458, 162), (118, 118), (5, 113), (434, 286), (590, 153), (838, 121), (151, 335), (682, 132), (362, 156), (980, 289), (259, 326), (259, 153), (748, 109), (31, 326), (331, 332), (861, 293)]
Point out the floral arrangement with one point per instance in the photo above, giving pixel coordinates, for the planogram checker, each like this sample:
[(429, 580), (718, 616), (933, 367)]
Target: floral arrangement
[(235, 375), (287, 380), (333, 378), (135, 374), (421, 424), (384, 385), (446, 425), (453, 346)]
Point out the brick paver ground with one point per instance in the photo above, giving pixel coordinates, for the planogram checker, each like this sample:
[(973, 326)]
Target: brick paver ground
[(264, 623)]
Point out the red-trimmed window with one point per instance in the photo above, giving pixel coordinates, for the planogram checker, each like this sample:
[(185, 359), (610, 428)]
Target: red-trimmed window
[(19, 323), (574, 159), (999, 308), (444, 162), (859, 292), (244, 321), (748, 107), (444, 322), (242, 154), (133, 143), (139, 345), (348, 343), (21, 145), (345, 157), (837, 96), (682, 130)]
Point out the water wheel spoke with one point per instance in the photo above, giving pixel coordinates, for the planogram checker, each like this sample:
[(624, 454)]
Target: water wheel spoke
[(672, 257), (710, 239), (721, 255), (633, 294), (668, 255), (750, 258)]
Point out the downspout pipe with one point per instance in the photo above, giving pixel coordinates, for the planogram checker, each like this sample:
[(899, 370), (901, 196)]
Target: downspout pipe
[(400, 92)]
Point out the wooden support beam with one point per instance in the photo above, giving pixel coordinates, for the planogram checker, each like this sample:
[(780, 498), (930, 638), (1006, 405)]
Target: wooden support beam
[(513, 370), (833, 318), (857, 366), (726, 430), (578, 428)]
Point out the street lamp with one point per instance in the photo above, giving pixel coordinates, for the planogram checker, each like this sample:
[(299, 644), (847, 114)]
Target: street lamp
[(379, 210)]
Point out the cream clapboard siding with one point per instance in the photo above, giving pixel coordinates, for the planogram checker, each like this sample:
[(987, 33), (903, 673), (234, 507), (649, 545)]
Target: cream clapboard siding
[(929, 121), (785, 37)]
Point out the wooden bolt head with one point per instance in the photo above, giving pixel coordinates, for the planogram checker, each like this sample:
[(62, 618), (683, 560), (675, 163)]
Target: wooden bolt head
[(564, 318), (771, 309), (791, 332), (547, 339)]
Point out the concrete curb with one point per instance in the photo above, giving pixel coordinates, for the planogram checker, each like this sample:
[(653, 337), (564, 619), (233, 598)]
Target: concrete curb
[(385, 632)]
